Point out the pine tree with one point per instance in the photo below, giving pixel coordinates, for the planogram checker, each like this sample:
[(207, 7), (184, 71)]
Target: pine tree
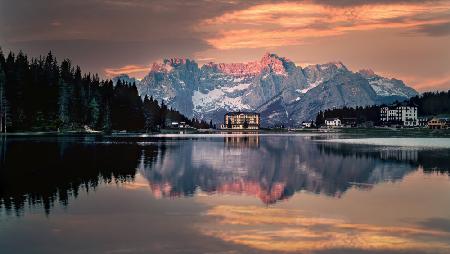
[(64, 94), (4, 109), (94, 113)]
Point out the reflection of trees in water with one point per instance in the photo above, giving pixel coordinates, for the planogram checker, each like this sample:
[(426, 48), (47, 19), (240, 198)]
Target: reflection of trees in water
[(44, 171), (276, 168), (53, 170), (435, 160)]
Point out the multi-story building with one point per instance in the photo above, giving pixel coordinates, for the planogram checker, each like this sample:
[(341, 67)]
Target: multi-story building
[(399, 115), (241, 121)]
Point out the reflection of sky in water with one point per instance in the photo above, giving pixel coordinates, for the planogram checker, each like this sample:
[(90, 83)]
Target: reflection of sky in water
[(392, 216), (251, 195)]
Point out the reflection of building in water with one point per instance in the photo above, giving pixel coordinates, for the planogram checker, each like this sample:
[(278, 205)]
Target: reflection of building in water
[(400, 155), (242, 141), (241, 121)]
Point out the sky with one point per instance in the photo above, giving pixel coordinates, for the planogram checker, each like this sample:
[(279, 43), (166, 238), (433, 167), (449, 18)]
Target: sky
[(407, 40)]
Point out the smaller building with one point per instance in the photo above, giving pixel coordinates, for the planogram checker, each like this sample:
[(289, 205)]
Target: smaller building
[(307, 124), (333, 122), (437, 124), (349, 121), (179, 125), (241, 121)]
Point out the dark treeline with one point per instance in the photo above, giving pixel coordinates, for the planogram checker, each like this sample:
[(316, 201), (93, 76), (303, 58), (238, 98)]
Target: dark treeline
[(432, 103), (39, 94), (362, 114), (429, 104)]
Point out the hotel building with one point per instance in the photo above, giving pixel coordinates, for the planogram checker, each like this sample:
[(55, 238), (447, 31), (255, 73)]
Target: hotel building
[(241, 121), (400, 115)]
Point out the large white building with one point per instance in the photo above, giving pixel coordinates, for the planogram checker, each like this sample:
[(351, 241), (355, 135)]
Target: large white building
[(399, 115), (241, 121)]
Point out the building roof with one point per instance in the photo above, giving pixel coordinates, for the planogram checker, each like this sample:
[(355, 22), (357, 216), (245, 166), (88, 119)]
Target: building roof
[(332, 119), (403, 104), (241, 112)]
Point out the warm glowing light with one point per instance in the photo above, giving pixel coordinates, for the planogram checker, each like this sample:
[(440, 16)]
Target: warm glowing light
[(284, 24), (127, 69), (273, 229)]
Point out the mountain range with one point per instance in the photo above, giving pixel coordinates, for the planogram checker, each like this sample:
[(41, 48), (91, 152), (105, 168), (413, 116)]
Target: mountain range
[(282, 92)]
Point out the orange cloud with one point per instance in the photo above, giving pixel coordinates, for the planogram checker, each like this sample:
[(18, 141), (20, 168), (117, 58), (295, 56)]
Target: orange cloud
[(273, 229), (285, 24), (127, 69), (430, 84)]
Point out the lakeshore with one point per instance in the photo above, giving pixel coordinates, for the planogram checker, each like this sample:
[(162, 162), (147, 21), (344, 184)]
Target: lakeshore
[(363, 132)]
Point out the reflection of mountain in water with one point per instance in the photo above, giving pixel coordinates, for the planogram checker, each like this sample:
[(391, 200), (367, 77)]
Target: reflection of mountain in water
[(45, 171), (274, 168)]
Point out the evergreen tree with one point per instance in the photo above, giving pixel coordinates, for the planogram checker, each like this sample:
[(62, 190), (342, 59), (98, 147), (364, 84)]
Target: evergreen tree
[(94, 113), (64, 94), (4, 109), (39, 94)]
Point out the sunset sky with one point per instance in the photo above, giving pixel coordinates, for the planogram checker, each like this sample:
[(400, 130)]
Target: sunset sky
[(408, 40)]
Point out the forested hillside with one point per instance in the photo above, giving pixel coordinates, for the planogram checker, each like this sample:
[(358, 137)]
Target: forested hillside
[(39, 94), (432, 103), (428, 104)]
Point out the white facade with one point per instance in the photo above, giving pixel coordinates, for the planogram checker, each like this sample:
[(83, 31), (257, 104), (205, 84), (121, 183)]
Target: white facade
[(333, 122), (241, 121), (307, 124), (404, 115)]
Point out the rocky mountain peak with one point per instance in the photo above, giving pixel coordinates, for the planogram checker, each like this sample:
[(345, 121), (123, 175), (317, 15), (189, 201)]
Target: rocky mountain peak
[(168, 64), (336, 64), (160, 67), (274, 86), (274, 63), (367, 73), (269, 62), (174, 62)]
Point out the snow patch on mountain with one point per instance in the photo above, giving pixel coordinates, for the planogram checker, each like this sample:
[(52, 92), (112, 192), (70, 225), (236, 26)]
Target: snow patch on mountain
[(383, 87), (310, 86), (218, 99), (274, 86)]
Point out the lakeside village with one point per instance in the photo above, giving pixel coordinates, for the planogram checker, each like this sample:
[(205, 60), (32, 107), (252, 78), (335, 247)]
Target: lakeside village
[(399, 116)]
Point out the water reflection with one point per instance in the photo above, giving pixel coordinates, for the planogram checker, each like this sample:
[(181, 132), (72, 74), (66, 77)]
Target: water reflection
[(45, 171), (273, 229), (275, 168)]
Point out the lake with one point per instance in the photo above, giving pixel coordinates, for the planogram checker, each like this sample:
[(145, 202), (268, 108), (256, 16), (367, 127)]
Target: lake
[(224, 193)]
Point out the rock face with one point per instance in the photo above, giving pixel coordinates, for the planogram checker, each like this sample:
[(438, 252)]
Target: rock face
[(284, 94)]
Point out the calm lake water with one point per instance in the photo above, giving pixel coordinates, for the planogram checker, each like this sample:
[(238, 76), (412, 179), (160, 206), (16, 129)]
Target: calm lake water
[(224, 194)]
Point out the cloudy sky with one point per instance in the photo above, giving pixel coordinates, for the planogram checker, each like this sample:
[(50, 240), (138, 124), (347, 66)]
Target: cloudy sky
[(408, 40)]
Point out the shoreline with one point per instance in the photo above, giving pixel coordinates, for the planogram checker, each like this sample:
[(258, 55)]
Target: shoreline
[(353, 132)]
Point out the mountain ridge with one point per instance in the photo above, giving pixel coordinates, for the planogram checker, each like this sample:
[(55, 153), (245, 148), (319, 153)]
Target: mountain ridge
[(284, 93)]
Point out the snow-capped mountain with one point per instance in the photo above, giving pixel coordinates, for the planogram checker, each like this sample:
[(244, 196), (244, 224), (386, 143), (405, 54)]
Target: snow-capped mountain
[(387, 87), (274, 86)]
